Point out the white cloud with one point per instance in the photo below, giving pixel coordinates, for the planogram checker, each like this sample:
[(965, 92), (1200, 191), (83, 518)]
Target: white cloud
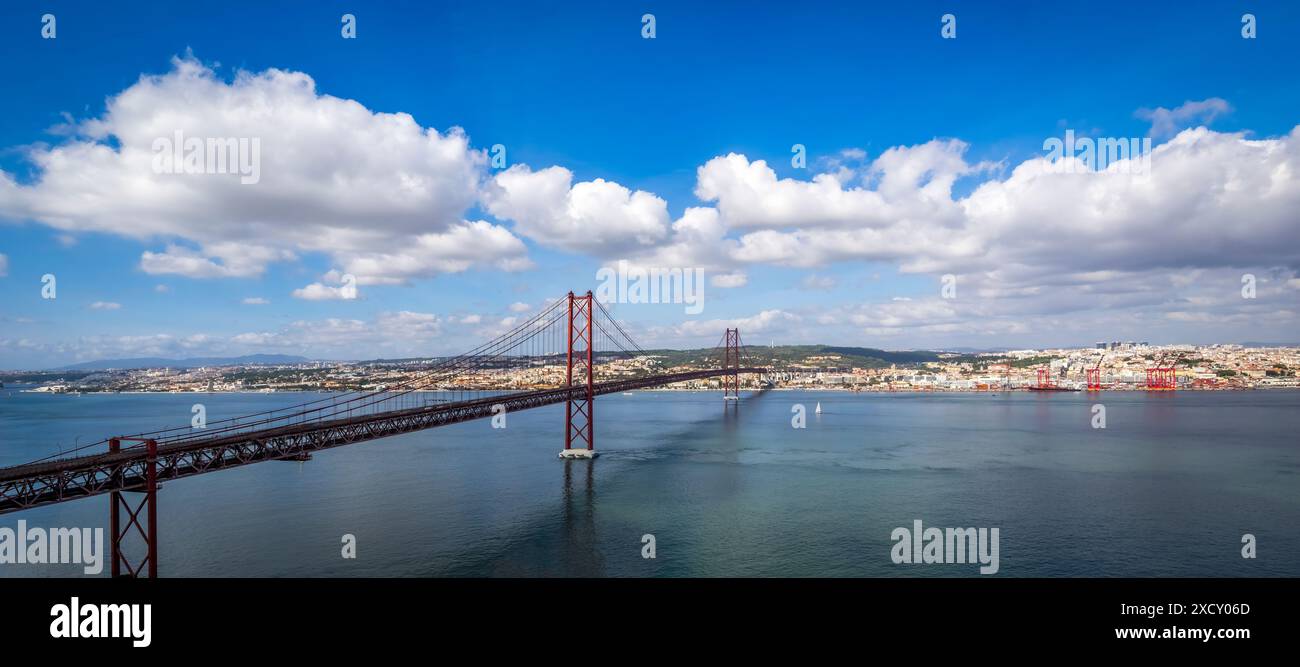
[(410, 325), (238, 261), (1036, 250), (697, 240), (255, 301), (1036, 241), (378, 193), (4, 265), (1211, 199), (403, 332), (389, 334), (729, 280), (385, 199), (457, 249), (910, 182), (520, 307), (597, 217), (813, 281), (323, 292), (105, 305), (107, 347), (1167, 122), (764, 322)]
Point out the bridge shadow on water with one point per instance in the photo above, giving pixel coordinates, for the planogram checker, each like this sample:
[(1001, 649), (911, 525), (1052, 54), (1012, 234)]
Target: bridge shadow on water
[(579, 535), (574, 537), (560, 541)]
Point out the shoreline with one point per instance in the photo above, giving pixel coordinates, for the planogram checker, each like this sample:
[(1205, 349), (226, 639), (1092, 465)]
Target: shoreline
[(665, 389)]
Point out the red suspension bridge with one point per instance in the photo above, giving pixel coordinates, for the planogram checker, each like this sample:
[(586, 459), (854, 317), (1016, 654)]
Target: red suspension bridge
[(573, 348)]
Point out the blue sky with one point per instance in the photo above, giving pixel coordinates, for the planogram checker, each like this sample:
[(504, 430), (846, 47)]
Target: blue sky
[(577, 87)]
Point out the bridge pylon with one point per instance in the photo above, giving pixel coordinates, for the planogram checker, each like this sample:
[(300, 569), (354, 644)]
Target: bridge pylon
[(143, 512), (731, 362), (580, 410)]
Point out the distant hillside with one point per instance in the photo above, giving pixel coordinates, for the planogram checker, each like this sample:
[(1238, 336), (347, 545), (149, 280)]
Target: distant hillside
[(908, 357), (858, 357), (193, 362)]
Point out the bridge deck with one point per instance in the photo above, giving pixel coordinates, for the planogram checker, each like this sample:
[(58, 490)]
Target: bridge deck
[(62, 480)]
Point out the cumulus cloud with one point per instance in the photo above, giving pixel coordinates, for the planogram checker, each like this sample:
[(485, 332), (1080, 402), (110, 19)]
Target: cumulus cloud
[(1033, 240), (323, 292), (597, 217), (1040, 248), (910, 182), (457, 249), (375, 191), (1167, 122), (1210, 199), (385, 199), (764, 322), (235, 261), (697, 240)]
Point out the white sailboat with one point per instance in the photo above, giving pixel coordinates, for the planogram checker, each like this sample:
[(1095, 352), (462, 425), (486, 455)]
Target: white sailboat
[(819, 408)]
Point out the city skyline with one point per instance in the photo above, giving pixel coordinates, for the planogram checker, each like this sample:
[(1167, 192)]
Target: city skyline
[(466, 180), (1114, 367)]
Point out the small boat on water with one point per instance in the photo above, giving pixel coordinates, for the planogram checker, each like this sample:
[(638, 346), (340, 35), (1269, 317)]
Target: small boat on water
[(819, 408)]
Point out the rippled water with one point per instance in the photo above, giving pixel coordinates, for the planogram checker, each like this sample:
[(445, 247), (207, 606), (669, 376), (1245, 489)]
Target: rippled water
[(1168, 489)]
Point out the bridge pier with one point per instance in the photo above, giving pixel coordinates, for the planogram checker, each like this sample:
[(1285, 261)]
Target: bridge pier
[(580, 413), (148, 506)]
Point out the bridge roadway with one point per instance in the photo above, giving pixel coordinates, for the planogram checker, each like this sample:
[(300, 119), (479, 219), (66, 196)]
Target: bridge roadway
[(63, 480)]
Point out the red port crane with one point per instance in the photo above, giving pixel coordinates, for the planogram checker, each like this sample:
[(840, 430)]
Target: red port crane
[(1045, 378), (1094, 374), (1162, 377)]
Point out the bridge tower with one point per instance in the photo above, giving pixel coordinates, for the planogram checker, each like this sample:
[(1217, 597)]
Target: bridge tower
[(731, 381), (148, 507), (580, 412)]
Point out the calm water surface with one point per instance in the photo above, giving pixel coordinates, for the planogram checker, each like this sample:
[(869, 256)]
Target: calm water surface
[(1167, 489)]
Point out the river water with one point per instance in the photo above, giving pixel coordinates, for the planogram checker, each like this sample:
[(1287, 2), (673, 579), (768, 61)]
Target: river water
[(1168, 488)]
